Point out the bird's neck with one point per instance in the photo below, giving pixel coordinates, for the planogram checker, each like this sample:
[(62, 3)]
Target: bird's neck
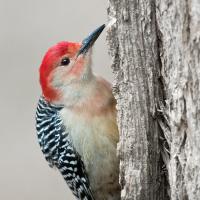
[(91, 98)]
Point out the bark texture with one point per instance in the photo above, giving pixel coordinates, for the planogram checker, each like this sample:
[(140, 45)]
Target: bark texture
[(155, 50), (179, 41), (138, 89)]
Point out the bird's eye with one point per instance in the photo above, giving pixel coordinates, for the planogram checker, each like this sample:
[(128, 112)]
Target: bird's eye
[(65, 61)]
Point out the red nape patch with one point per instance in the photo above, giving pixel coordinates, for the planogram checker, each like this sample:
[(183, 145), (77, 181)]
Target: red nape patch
[(51, 58)]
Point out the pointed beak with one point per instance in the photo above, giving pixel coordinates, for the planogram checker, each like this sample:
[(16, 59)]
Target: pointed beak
[(90, 40)]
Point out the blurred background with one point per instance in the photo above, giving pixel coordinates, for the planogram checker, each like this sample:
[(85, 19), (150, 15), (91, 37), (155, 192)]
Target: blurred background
[(28, 29)]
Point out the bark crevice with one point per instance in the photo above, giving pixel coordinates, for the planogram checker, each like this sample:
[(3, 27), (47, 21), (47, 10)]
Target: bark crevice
[(155, 51)]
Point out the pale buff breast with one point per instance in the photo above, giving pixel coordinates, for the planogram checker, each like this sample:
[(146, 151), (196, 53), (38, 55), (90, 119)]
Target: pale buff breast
[(95, 139), (91, 123)]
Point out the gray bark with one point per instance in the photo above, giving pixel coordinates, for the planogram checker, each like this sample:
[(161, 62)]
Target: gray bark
[(136, 65), (155, 50), (179, 32)]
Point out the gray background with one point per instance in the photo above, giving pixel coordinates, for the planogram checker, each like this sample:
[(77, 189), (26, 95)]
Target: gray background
[(27, 29)]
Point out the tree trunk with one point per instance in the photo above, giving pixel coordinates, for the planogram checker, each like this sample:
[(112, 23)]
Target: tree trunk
[(155, 50), (179, 27)]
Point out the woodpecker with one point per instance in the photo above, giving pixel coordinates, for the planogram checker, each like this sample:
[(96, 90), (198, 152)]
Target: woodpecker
[(76, 121)]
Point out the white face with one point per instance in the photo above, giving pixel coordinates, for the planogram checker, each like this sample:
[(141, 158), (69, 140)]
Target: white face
[(72, 80)]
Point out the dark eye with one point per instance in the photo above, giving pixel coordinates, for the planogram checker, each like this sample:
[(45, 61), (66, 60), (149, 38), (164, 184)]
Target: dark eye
[(65, 61)]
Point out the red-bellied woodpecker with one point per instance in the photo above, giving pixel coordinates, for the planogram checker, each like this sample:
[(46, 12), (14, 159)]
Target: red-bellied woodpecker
[(76, 121)]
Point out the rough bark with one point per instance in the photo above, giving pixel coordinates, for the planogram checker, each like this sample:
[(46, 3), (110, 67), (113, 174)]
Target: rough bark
[(155, 50), (179, 41), (138, 89)]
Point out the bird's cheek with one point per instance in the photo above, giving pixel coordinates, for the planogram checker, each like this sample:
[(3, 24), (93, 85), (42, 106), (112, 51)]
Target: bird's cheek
[(77, 68), (53, 82)]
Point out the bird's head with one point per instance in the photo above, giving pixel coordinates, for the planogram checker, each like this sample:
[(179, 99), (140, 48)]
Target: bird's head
[(66, 67)]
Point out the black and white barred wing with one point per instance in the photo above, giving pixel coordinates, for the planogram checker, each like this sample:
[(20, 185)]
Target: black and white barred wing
[(56, 145)]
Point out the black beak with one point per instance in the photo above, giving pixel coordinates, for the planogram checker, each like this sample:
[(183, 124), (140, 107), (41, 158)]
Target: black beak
[(90, 40)]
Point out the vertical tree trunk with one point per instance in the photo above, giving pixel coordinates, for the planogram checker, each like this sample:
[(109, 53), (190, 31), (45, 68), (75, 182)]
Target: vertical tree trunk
[(134, 49), (155, 47), (179, 27)]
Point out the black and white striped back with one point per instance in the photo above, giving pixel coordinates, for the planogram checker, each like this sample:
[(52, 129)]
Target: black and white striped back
[(57, 147)]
